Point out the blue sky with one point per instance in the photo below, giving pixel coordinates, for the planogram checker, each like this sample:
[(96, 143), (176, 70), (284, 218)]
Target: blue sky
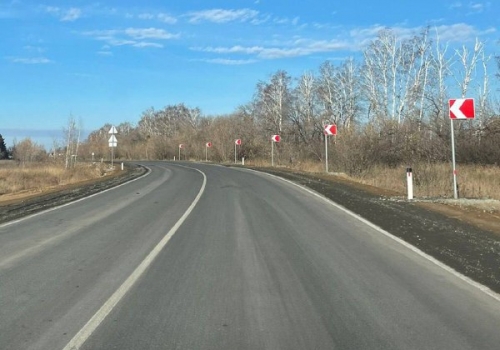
[(106, 62)]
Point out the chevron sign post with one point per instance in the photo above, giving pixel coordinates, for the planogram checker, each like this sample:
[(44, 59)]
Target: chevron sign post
[(330, 129), (274, 139), (460, 109)]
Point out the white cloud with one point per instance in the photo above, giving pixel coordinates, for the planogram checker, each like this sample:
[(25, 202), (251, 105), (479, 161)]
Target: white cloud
[(459, 32), (132, 37), (33, 60), (146, 16), (222, 16), (150, 33), (52, 9), (105, 53), (166, 18), (71, 15), (295, 49), (234, 49), (230, 62)]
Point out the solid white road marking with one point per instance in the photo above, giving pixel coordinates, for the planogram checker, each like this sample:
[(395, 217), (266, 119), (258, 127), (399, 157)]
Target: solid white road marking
[(110, 304)]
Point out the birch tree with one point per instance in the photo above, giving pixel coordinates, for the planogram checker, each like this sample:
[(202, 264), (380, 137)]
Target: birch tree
[(273, 100)]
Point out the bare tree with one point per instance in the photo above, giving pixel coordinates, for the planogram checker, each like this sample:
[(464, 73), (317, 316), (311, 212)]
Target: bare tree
[(273, 101), (72, 134)]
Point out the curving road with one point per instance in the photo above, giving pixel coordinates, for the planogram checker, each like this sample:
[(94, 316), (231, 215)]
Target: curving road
[(196, 256)]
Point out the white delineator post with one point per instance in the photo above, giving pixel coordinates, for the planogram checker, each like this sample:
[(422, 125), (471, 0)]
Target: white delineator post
[(409, 182)]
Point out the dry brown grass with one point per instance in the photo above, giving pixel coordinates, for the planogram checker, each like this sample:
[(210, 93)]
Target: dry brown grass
[(436, 180), (38, 177), (430, 180)]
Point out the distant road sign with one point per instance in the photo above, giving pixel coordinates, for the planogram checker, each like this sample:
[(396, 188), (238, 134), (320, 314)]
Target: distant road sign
[(113, 130), (209, 144), (462, 108), (276, 138), (331, 129), (113, 142), (181, 145), (237, 142)]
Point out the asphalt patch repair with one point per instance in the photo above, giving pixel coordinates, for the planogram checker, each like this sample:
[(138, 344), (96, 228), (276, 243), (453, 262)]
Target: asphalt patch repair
[(467, 240)]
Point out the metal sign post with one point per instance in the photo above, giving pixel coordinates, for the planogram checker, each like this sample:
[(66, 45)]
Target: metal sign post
[(237, 142), (330, 129), (180, 147), (272, 153), (462, 108), (207, 146), (326, 152), (113, 142), (274, 138), (455, 190)]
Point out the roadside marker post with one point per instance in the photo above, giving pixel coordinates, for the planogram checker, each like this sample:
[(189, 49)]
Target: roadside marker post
[(409, 182), (237, 142), (113, 142), (274, 138), (459, 109), (330, 129)]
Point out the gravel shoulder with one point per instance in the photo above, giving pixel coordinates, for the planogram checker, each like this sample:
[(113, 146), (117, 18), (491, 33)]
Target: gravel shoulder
[(464, 235)]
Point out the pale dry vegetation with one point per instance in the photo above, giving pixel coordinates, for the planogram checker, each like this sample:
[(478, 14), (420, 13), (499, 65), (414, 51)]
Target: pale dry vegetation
[(436, 180), (40, 176), (430, 180)]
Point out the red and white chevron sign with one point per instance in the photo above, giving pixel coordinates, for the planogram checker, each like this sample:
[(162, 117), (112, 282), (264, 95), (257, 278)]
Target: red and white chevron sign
[(462, 108), (331, 129)]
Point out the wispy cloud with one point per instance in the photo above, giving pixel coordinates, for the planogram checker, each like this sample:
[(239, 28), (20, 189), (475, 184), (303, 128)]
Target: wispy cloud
[(71, 15), (162, 17), (31, 60), (132, 36), (297, 48), (228, 62), (222, 16), (64, 15)]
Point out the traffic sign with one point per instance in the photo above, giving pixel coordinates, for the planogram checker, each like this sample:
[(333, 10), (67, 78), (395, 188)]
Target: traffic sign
[(113, 142), (237, 142), (331, 129), (181, 145), (462, 108), (209, 144), (113, 130), (276, 138)]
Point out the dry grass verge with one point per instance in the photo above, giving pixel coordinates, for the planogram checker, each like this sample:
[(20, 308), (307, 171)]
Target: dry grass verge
[(40, 177)]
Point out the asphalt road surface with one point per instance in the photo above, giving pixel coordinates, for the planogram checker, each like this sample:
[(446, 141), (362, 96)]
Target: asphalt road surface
[(195, 256)]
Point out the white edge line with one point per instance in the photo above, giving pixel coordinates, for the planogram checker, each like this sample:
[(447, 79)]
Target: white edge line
[(79, 339), (447, 268), (75, 201)]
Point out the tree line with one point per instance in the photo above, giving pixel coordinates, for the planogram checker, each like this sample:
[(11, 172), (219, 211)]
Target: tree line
[(390, 107)]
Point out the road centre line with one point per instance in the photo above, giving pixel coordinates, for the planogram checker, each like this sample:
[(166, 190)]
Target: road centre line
[(89, 328)]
